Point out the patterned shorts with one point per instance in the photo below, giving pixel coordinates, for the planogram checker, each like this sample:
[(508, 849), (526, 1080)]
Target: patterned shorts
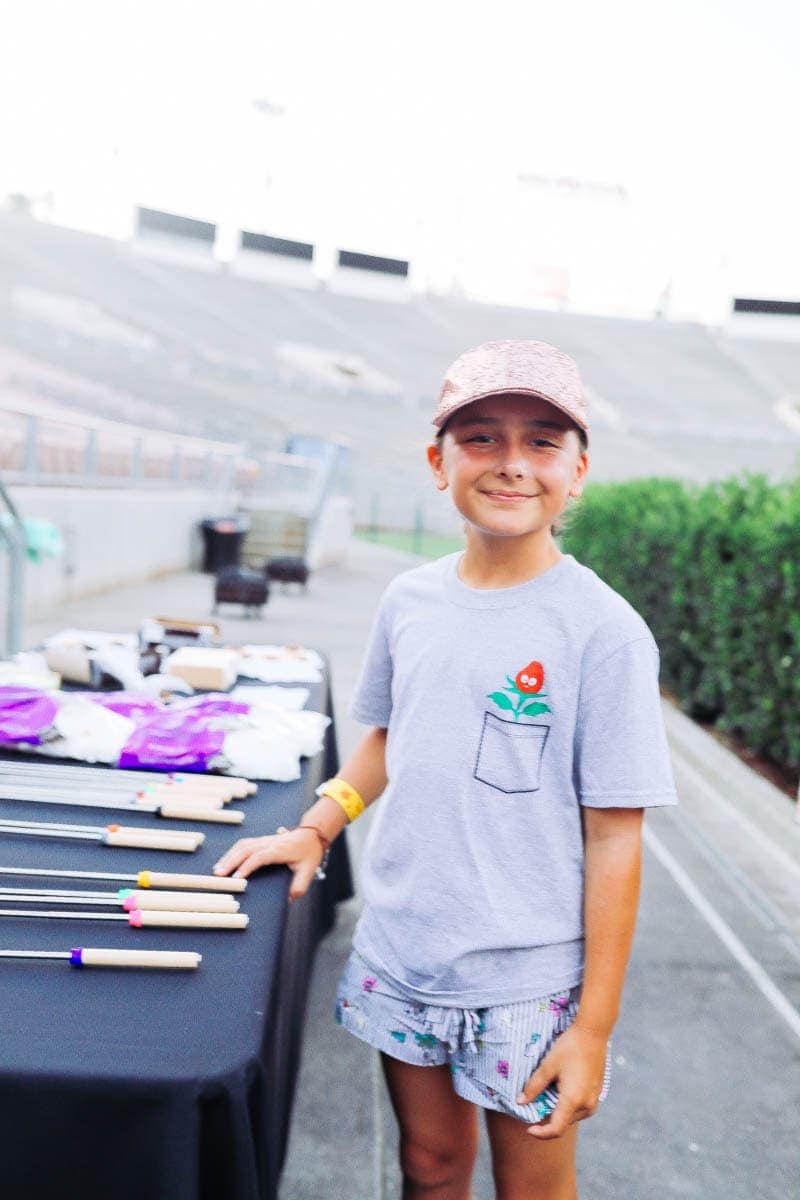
[(492, 1052)]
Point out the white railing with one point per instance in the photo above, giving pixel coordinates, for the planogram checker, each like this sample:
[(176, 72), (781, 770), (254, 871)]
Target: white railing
[(56, 448)]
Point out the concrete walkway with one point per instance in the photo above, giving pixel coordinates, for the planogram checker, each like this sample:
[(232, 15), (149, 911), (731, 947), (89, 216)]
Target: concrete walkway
[(707, 1052)]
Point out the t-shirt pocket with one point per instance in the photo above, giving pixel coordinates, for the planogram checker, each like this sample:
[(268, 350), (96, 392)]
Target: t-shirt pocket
[(510, 754)]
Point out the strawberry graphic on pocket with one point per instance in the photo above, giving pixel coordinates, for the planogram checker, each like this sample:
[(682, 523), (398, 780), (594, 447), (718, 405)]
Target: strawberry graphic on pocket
[(510, 751), (524, 692)]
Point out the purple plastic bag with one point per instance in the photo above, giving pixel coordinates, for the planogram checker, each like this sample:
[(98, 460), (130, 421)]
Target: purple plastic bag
[(153, 748), (136, 706), (25, 714), (174, 740), (212, 704)]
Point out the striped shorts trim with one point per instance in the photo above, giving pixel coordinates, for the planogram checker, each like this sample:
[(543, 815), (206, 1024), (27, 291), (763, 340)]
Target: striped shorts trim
[(491, 1052)]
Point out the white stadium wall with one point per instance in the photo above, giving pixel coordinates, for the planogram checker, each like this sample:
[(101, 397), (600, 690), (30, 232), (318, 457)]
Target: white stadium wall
[(112, 537)]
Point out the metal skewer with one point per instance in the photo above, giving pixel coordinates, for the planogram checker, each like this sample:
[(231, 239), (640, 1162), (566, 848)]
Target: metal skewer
[(126, 898), (181, 810), (88, 788), (169, 834), (142, 879), (230, 785), (109, 835), (139, 919)]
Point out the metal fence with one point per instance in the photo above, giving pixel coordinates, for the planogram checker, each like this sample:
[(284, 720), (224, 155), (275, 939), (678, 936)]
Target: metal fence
[(40, 449)]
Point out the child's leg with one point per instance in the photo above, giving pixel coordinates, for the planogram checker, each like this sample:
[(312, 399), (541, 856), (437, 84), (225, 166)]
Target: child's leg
[(438, 1131), (525, 1168)]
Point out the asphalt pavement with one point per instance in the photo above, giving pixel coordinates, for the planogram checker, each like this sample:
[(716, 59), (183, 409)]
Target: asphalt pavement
[(705, 1094)]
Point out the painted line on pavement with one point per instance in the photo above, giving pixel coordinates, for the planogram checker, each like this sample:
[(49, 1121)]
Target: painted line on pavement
[(749, 893), (769, 990), (698, 781)]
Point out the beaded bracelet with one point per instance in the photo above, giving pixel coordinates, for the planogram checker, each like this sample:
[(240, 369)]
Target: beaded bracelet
[(326, 846)]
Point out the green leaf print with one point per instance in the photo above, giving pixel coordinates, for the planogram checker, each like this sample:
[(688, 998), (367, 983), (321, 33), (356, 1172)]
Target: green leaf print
[(531, 707), (500, 700), (425, 1039)]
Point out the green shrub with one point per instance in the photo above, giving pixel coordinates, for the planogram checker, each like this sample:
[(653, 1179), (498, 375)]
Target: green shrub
[(715, 572)]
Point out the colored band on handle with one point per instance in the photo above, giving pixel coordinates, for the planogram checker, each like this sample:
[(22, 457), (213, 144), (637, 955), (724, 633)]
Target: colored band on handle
[(345, 796)]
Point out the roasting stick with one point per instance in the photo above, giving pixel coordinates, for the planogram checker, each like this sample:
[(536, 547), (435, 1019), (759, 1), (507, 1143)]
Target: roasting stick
[(181, 811), (109, 835), (179, 796), (126, 898), (138, 919), (227, 786), (142, 879), (166, 836), (85, 786), (84, 956), (238, 787)]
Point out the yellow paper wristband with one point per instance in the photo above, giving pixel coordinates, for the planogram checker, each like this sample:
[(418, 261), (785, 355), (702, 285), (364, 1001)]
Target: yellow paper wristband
[(345, 796)]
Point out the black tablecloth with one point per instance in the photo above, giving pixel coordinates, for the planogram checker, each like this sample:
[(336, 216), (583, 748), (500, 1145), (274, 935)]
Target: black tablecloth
[(164, 1085)]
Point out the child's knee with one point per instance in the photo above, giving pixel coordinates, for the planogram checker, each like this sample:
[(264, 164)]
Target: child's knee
[(436, 1164)]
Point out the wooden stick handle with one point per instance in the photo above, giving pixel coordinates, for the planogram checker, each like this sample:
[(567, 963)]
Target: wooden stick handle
[(143, 840), (179, 798), (180, 960), (160, 834), (208, 883), (179, 901), (200, 812), (238, 787), (184, 920), (221, 789)]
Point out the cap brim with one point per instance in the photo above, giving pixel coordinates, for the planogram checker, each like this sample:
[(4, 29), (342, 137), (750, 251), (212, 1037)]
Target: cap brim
[(439, 422)]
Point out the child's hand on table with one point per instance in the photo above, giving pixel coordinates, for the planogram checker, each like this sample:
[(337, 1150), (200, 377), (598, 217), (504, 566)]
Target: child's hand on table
[(300, 849), (577, 1064)]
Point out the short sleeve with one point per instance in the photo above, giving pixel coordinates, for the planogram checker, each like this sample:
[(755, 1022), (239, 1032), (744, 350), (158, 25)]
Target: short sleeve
[(621, 752), (372, 699)]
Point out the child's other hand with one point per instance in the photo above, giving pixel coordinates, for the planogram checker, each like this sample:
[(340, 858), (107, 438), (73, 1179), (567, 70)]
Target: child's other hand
[(577, 1064), (299, 849)]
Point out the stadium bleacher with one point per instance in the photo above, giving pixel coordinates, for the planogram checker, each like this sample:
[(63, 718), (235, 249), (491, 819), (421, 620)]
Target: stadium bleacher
[(199, 351)]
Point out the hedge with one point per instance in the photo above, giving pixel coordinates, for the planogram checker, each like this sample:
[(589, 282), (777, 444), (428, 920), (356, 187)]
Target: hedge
[(714, 569)]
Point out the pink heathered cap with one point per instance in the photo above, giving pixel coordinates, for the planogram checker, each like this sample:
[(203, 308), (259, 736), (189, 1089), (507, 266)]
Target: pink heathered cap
[(525, 368)]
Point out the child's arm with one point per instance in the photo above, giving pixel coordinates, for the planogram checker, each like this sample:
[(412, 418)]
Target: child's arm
[(612, 847), (365, 770)]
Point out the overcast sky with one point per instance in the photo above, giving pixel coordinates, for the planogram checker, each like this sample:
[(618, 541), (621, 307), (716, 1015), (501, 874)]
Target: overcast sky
[(399, 119)]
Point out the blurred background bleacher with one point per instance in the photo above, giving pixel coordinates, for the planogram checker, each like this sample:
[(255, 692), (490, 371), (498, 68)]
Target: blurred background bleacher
[(132, 333)]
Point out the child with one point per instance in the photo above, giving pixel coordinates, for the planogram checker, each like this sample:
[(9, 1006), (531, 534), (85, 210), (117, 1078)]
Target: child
[(516, 737)]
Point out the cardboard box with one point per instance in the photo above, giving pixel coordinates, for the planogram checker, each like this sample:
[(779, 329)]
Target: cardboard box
[(176, 632), (204, 667)]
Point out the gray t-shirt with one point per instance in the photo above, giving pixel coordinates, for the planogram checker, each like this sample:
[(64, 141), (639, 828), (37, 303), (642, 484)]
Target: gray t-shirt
[(507, 709)]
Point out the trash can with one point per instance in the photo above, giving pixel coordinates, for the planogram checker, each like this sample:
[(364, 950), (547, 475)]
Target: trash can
[(222, 541)]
